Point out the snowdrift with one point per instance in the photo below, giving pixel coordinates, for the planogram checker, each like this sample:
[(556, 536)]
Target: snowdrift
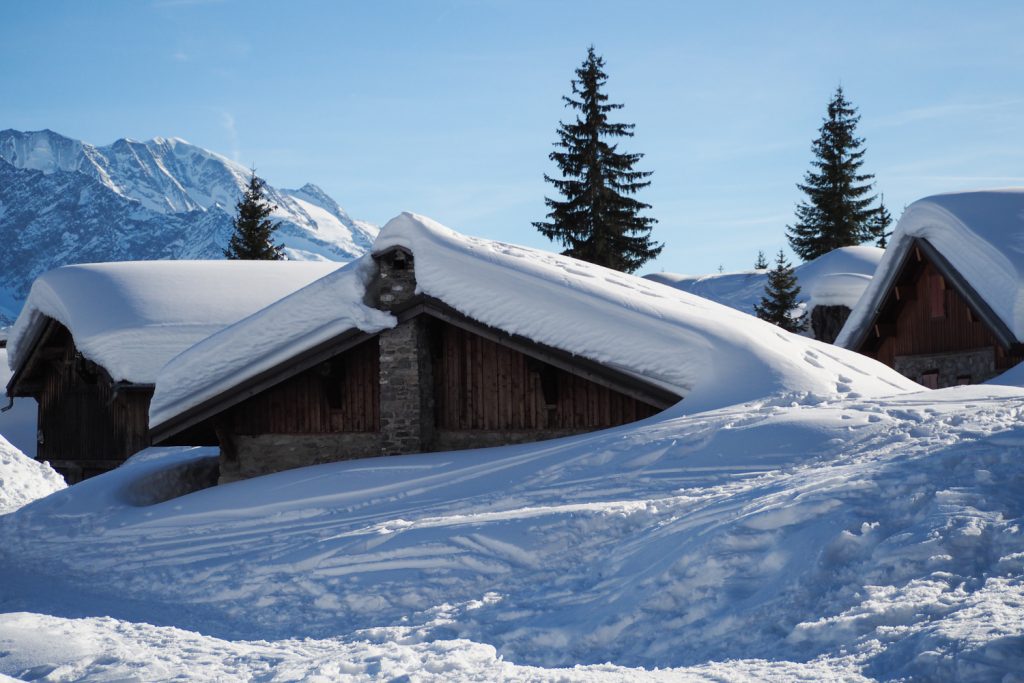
[(827, 538), (22, 479)]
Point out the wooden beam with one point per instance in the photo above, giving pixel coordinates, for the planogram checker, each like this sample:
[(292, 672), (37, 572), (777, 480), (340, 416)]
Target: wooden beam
[(884, 330), (905, 293)]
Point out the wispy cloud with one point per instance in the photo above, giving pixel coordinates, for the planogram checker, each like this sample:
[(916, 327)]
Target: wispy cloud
[(941, 111), (228, 123)]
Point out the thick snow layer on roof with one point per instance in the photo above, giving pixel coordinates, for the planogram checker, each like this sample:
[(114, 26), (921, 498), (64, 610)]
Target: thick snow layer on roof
[(981, 234), (314, 314), (132, 317), (672, 339), (709, 353), (837, 278), (22, 479)]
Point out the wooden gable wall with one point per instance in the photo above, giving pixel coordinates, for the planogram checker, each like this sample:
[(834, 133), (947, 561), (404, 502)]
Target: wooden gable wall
[(338, 396), (85, 425), (482, 385), (925, 314)]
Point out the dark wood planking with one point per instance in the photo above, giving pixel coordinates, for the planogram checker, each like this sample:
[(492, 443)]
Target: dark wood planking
[(914, 330), (488, 387)]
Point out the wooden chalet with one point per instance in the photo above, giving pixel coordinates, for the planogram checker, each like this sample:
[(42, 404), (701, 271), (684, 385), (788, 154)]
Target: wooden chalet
[(91, 338), (437, 380), (926, 319)]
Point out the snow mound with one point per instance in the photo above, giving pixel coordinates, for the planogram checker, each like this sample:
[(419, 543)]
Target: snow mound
[(837, 278), (981, 234), (132, 317), (840, 539), (22, 479)]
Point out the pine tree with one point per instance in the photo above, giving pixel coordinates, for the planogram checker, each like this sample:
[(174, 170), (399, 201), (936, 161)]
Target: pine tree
[(780, 297), (880, 223), (762, 262), (837, 211), (598, 220), (252, 239)]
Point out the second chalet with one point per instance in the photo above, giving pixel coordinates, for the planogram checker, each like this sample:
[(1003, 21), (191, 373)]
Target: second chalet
[(946, 306)]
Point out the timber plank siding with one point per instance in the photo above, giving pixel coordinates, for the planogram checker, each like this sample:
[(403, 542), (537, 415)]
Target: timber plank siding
[(338, 396), (490, 387), (86, 425), (924, 315)]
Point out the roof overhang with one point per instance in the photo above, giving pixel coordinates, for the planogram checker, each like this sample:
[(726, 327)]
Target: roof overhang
[(420, 305)]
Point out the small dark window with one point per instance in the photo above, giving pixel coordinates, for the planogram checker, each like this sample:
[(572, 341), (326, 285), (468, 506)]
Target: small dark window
[(937, 295), (930, 379), (963, 379)]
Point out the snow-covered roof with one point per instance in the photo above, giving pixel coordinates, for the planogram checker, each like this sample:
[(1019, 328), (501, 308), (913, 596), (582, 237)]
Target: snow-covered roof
[(980, 235), (132, 317), (837, 278), (709, 353)]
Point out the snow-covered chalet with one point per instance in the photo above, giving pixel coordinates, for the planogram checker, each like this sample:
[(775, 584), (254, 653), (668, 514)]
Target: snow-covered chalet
[(90, 340), (946, 305), (438, 341)]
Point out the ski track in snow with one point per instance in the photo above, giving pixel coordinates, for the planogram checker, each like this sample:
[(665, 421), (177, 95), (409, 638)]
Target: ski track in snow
[(784, 539)]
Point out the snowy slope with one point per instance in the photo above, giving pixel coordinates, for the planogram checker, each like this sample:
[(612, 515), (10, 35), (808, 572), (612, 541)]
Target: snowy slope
[(837, 538), (711, 354), (981, 234), (22, 479), (837, 278), (132, 317), (66, 201)]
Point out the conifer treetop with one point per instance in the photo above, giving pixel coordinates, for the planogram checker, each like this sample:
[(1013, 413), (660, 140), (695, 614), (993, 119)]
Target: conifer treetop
[(252, 238), (598, 220)]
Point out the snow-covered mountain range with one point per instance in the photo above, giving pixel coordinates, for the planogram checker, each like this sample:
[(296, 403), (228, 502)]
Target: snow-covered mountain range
[(67, 201)]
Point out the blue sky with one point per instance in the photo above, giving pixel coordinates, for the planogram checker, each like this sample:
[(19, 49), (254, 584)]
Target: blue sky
[(449, 108)]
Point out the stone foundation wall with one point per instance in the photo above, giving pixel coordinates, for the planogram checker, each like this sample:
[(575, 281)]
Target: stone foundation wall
[(960, 367), (828, 321), (267, 453)]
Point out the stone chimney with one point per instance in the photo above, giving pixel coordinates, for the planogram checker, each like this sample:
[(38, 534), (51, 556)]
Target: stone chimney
[(406, 374)]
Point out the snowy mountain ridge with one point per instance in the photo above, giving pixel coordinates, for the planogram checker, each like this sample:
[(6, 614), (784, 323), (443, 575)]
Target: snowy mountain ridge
[(67, 201)]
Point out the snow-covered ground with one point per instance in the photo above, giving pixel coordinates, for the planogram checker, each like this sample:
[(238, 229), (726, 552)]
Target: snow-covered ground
[(22, 479), (795, 537)]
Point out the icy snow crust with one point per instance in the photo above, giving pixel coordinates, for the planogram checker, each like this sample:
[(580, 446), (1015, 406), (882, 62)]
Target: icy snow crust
[(837, 278), (981, 234), (132, 317), (776, 540), (711, 354)]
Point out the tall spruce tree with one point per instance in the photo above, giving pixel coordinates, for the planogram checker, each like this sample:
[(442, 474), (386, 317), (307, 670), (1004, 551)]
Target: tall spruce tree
[(880, 223), (598, 220), (761, 263), (252, 239), (781, 297), (837, 212)]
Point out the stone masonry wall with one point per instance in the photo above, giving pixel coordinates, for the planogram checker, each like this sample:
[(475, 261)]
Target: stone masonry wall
[(971, 367)]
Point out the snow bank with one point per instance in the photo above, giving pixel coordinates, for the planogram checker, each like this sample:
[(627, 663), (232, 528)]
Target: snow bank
[(132, 317), (22, 479), (315, 314), (837, 278), (875, 538), (981, 234)]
